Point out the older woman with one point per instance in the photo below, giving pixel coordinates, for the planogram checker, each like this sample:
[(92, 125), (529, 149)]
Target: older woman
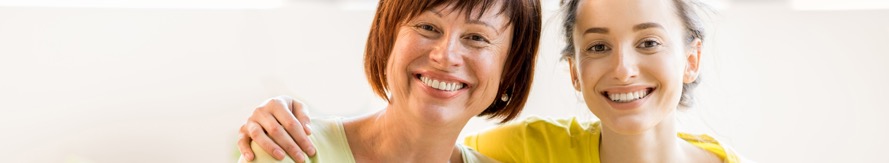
[(438, 64)]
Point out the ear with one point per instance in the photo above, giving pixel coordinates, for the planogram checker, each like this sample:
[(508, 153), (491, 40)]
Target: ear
[(693, 58), (573, 70)]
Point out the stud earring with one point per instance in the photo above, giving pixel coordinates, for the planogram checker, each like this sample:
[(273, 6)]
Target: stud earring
[(504, 97)]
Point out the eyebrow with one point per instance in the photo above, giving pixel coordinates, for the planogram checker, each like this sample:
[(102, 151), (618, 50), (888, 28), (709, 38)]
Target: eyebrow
[(472, 21), (599, 30), (636, 28), (647, 25), (436, 13), (479, 22)]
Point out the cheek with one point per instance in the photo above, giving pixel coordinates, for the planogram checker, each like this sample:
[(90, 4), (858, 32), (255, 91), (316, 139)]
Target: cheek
[(409, 48), (394, 74), (487, 68), (667, 71), (590, 73), (406, 51), (664, 68)]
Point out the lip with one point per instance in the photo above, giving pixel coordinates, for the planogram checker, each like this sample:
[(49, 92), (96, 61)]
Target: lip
[(440, 77), (624, 89)]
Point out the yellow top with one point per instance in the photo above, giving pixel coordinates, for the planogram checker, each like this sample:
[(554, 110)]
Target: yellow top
[(561, 140)]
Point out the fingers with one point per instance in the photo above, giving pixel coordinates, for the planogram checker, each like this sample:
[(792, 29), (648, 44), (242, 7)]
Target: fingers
[(295, 129), (255, 131), (277, 132), (275, 129), (301, 114), (244, 144), (299, 129)]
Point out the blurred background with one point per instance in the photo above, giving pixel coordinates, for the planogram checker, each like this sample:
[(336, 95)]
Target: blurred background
[(94, 81)]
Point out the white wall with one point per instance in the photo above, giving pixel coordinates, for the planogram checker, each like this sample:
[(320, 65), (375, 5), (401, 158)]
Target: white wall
[(802, 86), (158, 85)]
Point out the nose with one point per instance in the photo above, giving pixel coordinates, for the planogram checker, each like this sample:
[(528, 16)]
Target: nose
[(626, 67), (447, 54)]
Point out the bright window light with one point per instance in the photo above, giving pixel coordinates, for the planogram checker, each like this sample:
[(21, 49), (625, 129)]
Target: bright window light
[(163, 4), (839, 4)]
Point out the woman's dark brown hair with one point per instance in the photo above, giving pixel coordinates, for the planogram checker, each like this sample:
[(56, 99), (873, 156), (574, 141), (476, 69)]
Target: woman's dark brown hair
[(523, 15)]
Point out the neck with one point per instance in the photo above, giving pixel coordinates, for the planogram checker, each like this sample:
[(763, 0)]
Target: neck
[(658, 144), (390, 136)]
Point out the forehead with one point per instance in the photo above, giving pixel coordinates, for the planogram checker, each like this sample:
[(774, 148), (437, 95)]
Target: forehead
[(624, 14), (473, 11), (494, 13)]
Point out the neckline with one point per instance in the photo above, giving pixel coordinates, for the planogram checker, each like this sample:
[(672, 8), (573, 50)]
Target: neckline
[(698, 140)]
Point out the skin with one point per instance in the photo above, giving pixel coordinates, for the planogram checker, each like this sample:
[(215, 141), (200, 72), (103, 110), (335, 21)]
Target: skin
[(274, 126), (644, 48), (439, 43), (631, 45)]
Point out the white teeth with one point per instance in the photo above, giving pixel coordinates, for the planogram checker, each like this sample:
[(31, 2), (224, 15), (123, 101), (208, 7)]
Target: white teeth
[(440, 85), (627, 97)]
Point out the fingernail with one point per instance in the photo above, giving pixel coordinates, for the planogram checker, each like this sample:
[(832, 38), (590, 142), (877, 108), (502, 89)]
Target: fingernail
[(249, 156), (279, 153)]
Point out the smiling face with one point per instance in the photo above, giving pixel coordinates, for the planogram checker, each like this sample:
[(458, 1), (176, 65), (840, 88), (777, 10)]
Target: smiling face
[(630, 61), (445, 66)]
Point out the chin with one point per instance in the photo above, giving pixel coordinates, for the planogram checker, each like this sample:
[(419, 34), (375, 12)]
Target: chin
[(437, 114)]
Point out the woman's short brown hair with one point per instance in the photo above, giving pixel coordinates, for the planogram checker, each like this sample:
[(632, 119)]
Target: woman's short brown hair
[(524, 15)]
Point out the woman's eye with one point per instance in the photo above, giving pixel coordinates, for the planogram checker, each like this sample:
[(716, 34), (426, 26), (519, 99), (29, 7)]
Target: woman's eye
[(598, 48), (477, 38), (649, 44), (426, 27)]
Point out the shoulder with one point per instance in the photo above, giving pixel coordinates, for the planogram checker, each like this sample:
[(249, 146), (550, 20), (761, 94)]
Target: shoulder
[(260, 156), (471, 156), (515, 131), (514, 141), (711, 145), (535, 124), (326, 126), (329, 140), (534, 127)]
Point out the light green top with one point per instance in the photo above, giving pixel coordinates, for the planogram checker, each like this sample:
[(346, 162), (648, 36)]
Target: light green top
[(332, 146)]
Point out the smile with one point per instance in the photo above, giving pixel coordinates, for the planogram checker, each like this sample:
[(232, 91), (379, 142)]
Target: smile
[(626, 97), (440, 84)]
